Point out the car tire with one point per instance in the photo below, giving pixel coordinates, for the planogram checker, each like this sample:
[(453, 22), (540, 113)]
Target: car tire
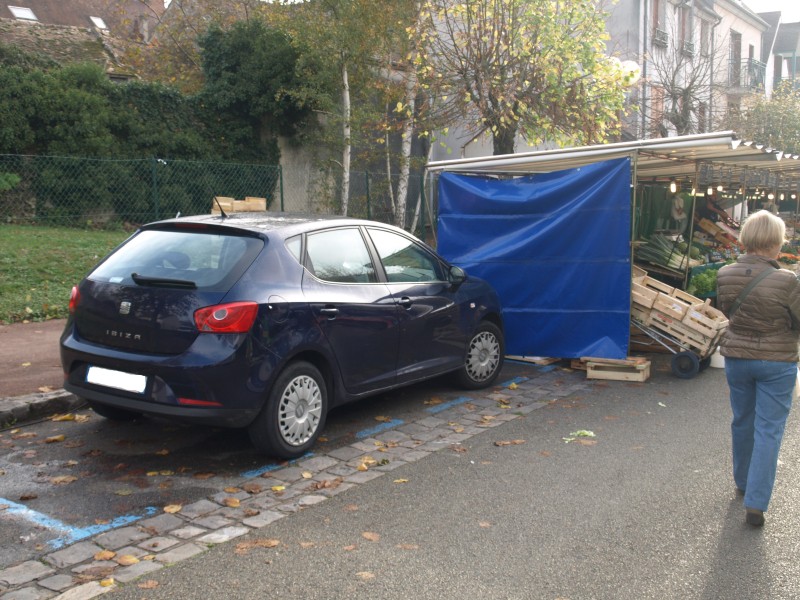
[(483, 358), (112, 413), (294, 414)]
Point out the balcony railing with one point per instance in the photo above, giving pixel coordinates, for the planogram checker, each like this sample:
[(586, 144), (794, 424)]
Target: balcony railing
[(747, 75)]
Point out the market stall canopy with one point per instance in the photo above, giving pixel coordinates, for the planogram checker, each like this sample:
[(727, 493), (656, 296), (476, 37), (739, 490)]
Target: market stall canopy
[(723, 152)]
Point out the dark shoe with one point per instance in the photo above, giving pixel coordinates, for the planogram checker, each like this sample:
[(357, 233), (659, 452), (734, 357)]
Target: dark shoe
[(754, 517)]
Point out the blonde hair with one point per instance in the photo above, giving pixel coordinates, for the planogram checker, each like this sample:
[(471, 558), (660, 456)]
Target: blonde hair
[(762, 231)]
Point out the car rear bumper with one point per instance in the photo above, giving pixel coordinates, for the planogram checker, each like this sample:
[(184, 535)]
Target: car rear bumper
[(211, 383)]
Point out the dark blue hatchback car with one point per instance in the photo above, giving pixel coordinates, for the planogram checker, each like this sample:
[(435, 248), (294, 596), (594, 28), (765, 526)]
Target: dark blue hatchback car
[(268, 320)]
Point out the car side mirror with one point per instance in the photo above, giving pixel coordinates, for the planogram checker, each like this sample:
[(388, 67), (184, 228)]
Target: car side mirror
[(457, 275)]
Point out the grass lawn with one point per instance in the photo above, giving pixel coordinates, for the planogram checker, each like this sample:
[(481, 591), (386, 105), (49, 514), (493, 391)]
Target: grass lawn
[(39, 266)]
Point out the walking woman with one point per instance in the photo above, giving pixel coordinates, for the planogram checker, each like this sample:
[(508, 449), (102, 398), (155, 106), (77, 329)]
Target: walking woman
[(762, 302)]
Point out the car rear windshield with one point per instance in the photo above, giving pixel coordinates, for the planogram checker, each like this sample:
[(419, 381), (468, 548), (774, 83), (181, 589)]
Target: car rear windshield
[(210, 261)]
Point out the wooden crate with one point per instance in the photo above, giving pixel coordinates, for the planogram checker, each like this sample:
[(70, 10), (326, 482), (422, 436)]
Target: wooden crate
[(230, 205), (630, 369), (689, 320)]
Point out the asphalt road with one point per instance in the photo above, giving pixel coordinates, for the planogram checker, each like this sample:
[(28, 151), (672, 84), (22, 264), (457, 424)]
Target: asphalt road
[(648, 511)]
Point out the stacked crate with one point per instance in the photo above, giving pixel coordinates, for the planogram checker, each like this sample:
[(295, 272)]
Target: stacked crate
[(690, 321)]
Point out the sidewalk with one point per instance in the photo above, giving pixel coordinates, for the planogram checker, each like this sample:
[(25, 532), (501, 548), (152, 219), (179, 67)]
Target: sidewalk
[(31, 385)]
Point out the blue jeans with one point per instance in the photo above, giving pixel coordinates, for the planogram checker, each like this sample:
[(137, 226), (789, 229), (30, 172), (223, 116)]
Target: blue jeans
[(761, 396)]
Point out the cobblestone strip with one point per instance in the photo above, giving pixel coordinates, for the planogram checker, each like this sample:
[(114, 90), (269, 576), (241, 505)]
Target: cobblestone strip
[(94, 567)]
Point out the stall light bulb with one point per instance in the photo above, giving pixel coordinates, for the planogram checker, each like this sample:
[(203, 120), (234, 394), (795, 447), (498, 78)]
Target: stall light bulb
[(710, 190), (771, 196), (781, 195), (673, 187), (719, 187)]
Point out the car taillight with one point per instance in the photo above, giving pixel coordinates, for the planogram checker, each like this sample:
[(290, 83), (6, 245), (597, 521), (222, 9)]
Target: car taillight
[(74, 299), (235, 317)]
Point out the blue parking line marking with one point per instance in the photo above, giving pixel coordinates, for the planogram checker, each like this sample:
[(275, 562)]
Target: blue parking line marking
[(274, 467), (445, 405), (365, 433), (74, 534)]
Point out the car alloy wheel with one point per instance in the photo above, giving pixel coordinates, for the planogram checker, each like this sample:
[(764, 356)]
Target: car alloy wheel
[(484, 357), (299, 410), (294, 414)]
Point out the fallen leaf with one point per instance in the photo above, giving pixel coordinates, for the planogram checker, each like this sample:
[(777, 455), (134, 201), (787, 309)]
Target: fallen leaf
[(63, 479), (162, 452), (278, 488), (509, 443), (251, 512), (433, 401), (307, 475), (322, 439), (252, 488), (351, 507), (328, 484), (350, 548), (458, 448), (126, 560), (66, 417), (105, 555), (26, 497), (55, 438), (23, 436), (401, 481), (172, 508), (371, 536), (45, 389), (484, 524), (383, 419), (123, 492), (203, 475), (150, 584), (82, 418), (408, 546), (25, 364), (365, 575), (231, 502), (245, 547), (307, 545), (107, 582), (362, 467), (512, 386), (232, 490)]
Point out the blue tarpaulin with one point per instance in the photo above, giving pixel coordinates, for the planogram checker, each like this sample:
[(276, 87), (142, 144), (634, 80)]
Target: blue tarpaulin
[(555, 246)]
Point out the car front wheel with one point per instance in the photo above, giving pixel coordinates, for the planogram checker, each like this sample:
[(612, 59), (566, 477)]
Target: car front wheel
[(294, 414), (484, 357)]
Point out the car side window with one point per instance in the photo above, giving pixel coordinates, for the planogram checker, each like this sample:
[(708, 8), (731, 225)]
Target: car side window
[(403, 260), (340, 256)]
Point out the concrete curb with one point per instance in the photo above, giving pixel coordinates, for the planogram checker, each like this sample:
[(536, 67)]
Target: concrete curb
[(23, 409)]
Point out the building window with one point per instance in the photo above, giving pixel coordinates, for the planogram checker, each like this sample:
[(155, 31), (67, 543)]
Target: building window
[(705, 38), (20, 12), (98, 22), (702, 117), (660, 35)]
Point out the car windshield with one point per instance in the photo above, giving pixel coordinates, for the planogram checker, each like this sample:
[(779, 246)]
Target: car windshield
[(210, 261)]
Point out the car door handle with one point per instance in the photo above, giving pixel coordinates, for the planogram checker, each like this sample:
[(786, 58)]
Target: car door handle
[(331, 313), (405, 302)]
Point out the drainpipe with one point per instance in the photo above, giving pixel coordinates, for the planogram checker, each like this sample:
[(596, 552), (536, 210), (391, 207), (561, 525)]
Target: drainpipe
[(644, 65)]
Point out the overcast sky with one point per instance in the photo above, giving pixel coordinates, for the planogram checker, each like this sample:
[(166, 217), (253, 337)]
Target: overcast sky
[(790, 9)]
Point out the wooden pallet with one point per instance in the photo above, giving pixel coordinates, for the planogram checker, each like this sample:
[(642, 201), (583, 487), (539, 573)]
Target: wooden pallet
[(630, 369)]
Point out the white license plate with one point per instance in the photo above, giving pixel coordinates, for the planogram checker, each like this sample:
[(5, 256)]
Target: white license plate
[(116, 379)]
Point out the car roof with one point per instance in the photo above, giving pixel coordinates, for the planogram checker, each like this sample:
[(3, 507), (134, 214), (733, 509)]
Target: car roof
[(286, 224)]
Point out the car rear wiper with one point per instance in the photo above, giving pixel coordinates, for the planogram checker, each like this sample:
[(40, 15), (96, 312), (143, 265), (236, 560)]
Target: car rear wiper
[(163, 282)]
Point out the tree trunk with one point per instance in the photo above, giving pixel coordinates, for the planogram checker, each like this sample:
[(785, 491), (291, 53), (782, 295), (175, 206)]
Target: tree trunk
[(504, 139), (405, 154), (346, 140)]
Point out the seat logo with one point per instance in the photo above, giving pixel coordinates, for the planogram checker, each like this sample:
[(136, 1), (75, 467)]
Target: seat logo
[(124, 308)]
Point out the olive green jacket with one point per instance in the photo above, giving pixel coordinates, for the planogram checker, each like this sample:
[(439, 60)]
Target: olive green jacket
[(767, 324)]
